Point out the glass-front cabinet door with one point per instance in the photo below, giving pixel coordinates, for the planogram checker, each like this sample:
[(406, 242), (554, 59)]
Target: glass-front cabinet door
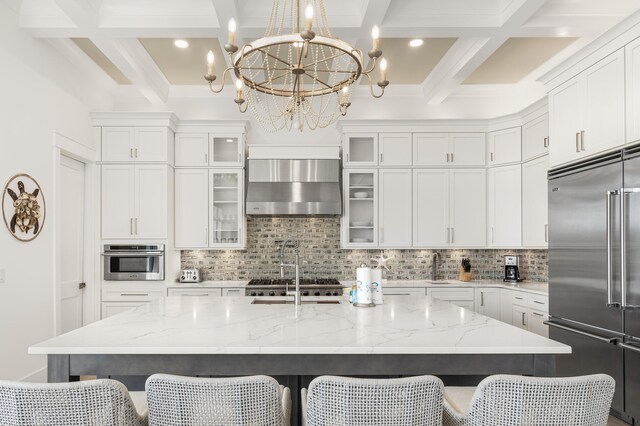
[(227, 219), (226, 150), (360, 220), (360, 149)]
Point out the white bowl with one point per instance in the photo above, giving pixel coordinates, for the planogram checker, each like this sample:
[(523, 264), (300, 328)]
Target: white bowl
[(361, 240), (361, 194)]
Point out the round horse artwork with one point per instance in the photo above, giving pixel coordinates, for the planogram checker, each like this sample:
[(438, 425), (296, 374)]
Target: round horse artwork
[(23, 207)]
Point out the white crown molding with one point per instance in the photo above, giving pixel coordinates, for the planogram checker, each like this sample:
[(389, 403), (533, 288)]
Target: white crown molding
[(135, 118), (213, 126)]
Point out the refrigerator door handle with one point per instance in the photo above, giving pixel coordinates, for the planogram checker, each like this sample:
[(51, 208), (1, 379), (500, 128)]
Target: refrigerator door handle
[(611, 340), (610, 302), (630, 347), (623, 247)]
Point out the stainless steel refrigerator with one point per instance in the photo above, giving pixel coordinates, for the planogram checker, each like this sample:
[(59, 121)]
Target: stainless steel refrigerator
[(594, 271)]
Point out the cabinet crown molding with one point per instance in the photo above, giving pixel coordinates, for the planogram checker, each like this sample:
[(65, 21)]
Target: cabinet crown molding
[(135, 119)]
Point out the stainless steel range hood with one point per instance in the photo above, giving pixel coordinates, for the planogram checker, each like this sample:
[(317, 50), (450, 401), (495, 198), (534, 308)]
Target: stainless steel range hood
[(294, 187)]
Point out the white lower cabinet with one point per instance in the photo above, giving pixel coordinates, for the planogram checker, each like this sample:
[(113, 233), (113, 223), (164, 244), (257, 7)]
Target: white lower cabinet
[(525, 310), (536, 323), (519, 317), (487, 302), (110, 309), (402, 291), (463, 297), (233, 292), (506, 305)]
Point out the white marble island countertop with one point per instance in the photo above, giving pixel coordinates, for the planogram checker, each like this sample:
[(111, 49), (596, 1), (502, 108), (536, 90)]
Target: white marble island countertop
[(527, 286), (233, 325)]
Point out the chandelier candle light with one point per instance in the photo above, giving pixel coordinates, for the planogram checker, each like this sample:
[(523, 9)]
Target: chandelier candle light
[(293, 77)]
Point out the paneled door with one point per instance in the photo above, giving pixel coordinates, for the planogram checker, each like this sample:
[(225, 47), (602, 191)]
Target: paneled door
[(395, 207), (71, 243)]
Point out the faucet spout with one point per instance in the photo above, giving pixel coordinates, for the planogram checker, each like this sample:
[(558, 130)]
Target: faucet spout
[(296, 265)]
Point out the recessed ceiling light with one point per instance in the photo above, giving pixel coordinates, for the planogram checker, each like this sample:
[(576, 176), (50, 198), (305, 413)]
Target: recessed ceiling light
[(416, 42), (182, 44)]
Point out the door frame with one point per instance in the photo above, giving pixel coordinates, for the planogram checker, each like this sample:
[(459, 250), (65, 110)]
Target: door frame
[(65, 146)]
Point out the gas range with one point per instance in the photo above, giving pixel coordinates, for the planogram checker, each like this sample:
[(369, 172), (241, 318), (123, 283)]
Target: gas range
[(308, 287)]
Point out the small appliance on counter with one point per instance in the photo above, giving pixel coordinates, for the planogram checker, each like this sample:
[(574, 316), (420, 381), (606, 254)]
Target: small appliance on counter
[(191, 275), (511, 269)]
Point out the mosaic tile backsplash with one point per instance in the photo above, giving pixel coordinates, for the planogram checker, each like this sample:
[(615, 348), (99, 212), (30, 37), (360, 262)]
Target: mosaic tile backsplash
[(321, 255)]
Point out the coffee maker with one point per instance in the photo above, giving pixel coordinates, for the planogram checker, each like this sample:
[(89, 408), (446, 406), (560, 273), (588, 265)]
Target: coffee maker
[(511, 269)]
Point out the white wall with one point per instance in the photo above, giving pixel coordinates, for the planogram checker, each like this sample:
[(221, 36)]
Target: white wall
[(35, 87)]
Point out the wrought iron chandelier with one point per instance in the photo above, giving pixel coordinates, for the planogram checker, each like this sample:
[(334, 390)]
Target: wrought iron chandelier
[(293, 78)]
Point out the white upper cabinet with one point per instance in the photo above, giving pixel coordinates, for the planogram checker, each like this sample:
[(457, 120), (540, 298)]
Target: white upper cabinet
[(449, 208), (360, 149), (205, 149), (192, 208), (504, 146), (395, 207), (504, 209), (431, 149), (226, 195), (535, 137), (632, 64), (360, 220), (226, 150), (431, 208), (467, 149), (395, 149), (535, 228), (136, 144), (448, 149), (192, 149), (134, 201), (468, 207), (587, 113)]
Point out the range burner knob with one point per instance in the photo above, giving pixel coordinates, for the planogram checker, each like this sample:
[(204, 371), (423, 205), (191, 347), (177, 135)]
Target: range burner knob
[(253, 293), (261, 294), (272, 293), (336, 293), (328, 293), (316, 293), (305, 293), (283, 293)]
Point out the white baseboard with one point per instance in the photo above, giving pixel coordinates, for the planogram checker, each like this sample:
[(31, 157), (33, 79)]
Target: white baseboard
[(38, 376)]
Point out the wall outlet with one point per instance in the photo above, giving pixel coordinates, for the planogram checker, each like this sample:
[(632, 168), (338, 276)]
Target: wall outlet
[(2, 275)]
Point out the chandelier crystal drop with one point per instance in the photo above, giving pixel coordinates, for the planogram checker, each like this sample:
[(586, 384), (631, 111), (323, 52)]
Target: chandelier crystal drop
[(298, 75)]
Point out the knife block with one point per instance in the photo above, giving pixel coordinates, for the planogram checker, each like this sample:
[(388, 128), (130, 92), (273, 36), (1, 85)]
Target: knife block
[(465, 276)]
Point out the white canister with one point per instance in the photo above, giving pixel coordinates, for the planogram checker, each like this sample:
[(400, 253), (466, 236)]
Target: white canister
[(363, 282), (376, 286)]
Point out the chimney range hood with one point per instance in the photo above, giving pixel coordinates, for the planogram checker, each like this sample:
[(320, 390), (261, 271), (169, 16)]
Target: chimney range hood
[(280, 187)]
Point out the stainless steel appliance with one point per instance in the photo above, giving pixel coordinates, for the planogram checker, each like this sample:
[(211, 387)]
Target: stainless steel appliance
[(512, 269), (190, 275), (294, 187), (133, 262), (279, 287), (594, 271)]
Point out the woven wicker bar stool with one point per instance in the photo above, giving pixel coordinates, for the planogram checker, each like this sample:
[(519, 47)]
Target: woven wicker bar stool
[(253, 400), (87, 403), (504, 400), (411, 401)]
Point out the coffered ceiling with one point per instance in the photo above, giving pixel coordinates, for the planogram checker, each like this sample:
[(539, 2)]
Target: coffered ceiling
[(467, 43)]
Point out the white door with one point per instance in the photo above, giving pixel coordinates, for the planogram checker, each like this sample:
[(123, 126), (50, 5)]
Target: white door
[(506, 305), (534, 202), (565, 122), (604, 104), (535, 137), (488, 302), (151, 144), (468, 212), (117, 144), (395, 149), (632, 58), (536, 323), (431, 149), (117, 201), (505, 206), (519, 317), (431, 208), (395, 207), (226, 150), (467, 149), (150, 220), (71, 243), (192, 208), (192, 149), (505, 146)]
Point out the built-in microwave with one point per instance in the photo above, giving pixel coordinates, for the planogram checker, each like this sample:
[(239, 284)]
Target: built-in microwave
[(133, 262)]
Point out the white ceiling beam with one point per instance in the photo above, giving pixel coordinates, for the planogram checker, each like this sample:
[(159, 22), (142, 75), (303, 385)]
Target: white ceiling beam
[(128, 55), (467, 54)]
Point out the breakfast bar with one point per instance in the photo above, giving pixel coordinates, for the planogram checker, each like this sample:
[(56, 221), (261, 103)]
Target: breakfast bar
[(232, 336)]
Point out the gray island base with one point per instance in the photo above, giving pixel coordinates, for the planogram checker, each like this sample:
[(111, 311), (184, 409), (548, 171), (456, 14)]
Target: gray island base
[(233, 337)]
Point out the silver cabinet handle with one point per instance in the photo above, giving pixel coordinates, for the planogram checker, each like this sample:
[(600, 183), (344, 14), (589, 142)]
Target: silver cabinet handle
[(131, 226), (134, 294), (381, 235), (347, 157), (381, 160), (492, 156), (206, 159), (195, 295), (578, 142), (453, 235), (131, 152), (582, 140), (447, 157), (630, 347), (539, 302), (492, 239), (518, 298), (546, 232), (612, 340), (537, 314), (136, 152), (136, 226), (452, 157), (239, 157), (546, 142), (523, 323), (482, 298)]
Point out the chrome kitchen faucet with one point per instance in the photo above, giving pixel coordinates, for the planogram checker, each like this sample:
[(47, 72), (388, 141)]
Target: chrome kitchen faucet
[(295, 244)]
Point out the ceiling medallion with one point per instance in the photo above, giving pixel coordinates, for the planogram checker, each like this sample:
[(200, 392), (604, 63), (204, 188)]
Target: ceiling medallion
[(297, 78)]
